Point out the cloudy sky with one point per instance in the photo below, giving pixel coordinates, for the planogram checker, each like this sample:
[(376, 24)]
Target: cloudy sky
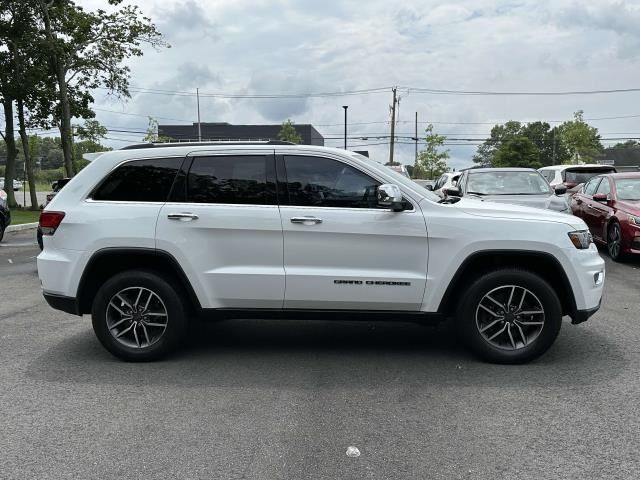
[(302, 46)]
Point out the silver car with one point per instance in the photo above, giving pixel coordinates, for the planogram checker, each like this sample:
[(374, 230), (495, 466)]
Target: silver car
[(522, 186)]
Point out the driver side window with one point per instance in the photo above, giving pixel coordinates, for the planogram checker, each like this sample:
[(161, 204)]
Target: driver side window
[(324, 182), (590, 187)]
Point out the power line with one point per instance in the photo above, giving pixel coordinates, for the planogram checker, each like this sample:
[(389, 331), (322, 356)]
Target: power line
[(520, 93)]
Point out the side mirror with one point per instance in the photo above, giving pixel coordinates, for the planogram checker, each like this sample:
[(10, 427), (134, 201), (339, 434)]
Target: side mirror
[(452, 192), (560, 189), (389, 195), (600, 197), (429, 187)]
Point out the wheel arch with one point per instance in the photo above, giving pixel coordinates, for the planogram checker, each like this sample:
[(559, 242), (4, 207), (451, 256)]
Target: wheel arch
[(542, 264), (108, 261)]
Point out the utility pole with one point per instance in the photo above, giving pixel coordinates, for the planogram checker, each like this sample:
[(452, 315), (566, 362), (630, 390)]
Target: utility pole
[(345, 125), (199, 126), (416, 138), (393, 125), (554, 146)]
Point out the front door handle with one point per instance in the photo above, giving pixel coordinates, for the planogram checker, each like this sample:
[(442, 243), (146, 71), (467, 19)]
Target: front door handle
[(184, 217), (306, 220)]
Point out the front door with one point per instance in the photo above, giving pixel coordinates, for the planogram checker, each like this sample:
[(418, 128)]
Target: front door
[(600, 211), (341, 251), (222, 225)]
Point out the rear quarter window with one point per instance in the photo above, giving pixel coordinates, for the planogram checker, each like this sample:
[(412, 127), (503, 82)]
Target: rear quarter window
[(148, 180)]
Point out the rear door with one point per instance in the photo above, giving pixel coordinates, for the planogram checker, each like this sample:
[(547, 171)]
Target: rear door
[(340, 250), (222, 224)]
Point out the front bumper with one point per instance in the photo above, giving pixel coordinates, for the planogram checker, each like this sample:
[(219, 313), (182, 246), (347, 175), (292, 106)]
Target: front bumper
[(580, 316)]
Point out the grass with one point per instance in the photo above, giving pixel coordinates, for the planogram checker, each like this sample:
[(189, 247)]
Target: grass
[(19, 216)]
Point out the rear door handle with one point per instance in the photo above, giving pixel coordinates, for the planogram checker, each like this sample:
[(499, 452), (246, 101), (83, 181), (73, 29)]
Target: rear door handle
[(306, 220), (185, 216)]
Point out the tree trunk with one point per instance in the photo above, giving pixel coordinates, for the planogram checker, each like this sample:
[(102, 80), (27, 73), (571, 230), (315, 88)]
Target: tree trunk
[(12, 153), (65, 122), (28, 161)]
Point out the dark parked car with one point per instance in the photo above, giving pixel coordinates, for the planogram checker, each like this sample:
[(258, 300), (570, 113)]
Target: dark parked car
[(55, 188), (522, 186), (5, 213), (610, 206)]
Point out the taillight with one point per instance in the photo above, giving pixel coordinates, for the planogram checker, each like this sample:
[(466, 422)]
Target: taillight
[(50, 221)]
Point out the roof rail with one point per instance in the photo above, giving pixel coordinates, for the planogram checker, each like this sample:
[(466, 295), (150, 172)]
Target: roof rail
[(201, 144)]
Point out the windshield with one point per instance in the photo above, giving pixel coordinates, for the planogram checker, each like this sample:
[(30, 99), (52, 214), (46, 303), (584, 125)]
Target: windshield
[(628, 188), (584, 175), (507, 183)]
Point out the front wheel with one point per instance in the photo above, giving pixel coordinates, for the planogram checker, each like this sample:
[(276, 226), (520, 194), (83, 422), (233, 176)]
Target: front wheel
[(509, 316), (138, 316)]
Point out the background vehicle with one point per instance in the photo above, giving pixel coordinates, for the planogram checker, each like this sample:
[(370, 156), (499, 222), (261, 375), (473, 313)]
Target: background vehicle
[(610, 206), (17, 184), (446, 180), (522, 186), (147, 238), (5, 213), (572, 176)]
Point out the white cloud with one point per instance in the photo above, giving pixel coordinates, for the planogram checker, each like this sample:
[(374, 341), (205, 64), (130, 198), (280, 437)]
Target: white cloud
[(267, 46)]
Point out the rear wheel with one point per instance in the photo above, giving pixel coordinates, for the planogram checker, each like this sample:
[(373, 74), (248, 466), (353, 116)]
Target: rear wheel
[(1, 229), (138, 316), (614, 242), (509, 316)]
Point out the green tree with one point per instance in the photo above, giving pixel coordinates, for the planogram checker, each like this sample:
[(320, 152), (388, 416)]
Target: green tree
[(517, 152), (288, 133), (87, 50), (552, 150), (581, 139), (499, 133), (431, 162)]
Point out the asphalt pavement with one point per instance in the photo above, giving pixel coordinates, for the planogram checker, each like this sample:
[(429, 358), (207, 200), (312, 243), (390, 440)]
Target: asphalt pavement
[(285, 399)]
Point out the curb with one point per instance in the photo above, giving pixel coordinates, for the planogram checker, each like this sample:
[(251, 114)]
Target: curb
[(21, 227)]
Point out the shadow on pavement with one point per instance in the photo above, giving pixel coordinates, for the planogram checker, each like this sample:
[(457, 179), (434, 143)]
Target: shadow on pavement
[(312, 354)]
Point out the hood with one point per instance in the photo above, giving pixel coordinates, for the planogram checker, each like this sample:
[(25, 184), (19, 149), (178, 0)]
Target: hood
[(507, 210), (552, 202), (629, 206)]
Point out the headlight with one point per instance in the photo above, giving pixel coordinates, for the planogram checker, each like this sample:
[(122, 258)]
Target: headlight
[(634, 220), (581, 239)]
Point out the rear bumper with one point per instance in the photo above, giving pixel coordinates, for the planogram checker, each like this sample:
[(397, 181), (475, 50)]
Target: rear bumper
[(62, 303)]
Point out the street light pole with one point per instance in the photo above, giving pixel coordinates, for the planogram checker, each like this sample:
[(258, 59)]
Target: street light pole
[(345, 125), (199, 125)]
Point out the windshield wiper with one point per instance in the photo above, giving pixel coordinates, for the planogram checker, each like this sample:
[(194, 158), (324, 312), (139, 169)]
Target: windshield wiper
[(477, 193)]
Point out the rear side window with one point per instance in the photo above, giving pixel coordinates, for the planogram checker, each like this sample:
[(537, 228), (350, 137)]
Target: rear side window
[(234, 179), (147, 180), (323, 182), (548, 175)]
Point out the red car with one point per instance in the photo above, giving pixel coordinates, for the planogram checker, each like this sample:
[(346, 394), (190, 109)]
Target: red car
[(610, 206)]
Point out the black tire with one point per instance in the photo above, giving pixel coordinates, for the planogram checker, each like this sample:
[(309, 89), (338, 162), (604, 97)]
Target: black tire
[(615, 242), (172, 300), (497, 281), (1, 230)]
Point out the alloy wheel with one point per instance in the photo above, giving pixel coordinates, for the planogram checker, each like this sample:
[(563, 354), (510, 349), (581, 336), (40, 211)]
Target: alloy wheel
[(615, 241), (510, 317), (136, 317)]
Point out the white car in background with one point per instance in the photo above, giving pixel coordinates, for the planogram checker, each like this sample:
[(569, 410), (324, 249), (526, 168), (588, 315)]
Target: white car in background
[(573, 175), (446, 180), (17, 184)]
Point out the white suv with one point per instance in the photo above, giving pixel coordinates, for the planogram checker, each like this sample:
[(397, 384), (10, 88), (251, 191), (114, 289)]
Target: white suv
[(146, 239)]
